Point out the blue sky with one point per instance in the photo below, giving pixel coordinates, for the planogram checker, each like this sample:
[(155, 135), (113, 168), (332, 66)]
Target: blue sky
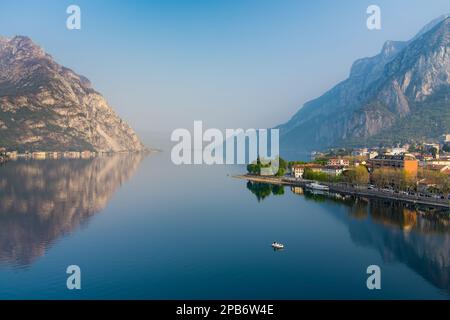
[(230, 63)]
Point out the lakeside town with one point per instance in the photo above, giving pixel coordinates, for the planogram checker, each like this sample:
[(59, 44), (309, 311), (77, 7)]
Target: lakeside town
[(417, 173), (6, 155)]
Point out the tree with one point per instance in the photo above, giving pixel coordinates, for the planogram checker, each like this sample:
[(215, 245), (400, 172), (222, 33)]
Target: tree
[(263, 190), (282, 167), (277, 190), (396, 178), (260, 190), (437, 178), (321, 161), (253, 168), (381, 177), (434, 152), (310, 174), (358, 175)]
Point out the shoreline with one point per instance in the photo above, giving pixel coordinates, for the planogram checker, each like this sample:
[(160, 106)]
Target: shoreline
[(339, 188), (58, 155)]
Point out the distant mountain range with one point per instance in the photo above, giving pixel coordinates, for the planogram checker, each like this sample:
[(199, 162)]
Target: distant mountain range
[(47, 107), (400, 95)]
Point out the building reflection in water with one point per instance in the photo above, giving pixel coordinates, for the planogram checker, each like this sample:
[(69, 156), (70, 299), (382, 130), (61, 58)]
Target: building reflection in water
[(402, 234), (40, 201), (399, 232)]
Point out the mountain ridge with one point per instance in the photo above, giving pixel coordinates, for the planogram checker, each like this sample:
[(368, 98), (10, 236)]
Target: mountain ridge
[(45, 106), (379, 92)]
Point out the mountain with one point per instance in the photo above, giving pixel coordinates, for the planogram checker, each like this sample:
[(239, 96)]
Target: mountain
[(45, 106), (401, 94)]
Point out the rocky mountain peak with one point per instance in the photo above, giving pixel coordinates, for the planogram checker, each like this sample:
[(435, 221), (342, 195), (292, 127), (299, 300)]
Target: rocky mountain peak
[(399, 95), (21, 47), (46, 106)]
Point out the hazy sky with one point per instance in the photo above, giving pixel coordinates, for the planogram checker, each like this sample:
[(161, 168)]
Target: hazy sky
[(247, 63)]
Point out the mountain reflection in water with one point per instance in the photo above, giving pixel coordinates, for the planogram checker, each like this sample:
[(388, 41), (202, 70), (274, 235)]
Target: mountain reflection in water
[(399, 232), (40, 201)]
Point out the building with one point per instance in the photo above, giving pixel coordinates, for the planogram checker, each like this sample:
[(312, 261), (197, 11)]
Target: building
[(445, 138), (338, 162), (425, 157), (444, 161), (424, 185), (39, 155), (297, 170), (364, 152), (397, 151), (52, 155), (12, 154), (332, 170), (437, 167), (297, 190), (405, 161), (373, 154), (432, 148), (360, 152), (86, 154), (71, 155)]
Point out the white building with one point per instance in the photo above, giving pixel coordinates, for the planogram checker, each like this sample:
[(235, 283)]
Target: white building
[(445, 138), (360, 152), (332, 170), (338, 162), (397, 151), (372, 154)]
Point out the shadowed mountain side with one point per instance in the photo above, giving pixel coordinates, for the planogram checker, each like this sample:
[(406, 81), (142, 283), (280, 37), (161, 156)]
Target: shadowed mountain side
[(41, 201), (397, 96)]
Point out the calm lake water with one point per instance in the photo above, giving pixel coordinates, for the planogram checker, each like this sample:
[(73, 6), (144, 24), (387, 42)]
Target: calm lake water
[(142, 228)]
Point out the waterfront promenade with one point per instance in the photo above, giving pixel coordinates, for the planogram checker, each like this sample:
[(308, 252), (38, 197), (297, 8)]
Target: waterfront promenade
[(343, 188)]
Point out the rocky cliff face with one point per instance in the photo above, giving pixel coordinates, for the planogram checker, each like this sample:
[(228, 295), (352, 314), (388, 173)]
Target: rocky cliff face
[(45, 106), (395, 96)]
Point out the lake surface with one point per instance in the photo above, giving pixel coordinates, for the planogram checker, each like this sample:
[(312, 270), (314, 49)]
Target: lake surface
[(142, 228)]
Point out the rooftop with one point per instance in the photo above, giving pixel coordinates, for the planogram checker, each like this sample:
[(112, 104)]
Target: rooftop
[(398, 157)]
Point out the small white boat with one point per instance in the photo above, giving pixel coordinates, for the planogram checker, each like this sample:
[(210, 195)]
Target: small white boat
[(317, 186), (277, 245)]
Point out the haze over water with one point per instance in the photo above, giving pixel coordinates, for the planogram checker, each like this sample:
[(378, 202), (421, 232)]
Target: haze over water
[(143, 228)]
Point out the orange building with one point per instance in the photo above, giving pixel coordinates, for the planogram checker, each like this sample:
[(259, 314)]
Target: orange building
[(407, 162)]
